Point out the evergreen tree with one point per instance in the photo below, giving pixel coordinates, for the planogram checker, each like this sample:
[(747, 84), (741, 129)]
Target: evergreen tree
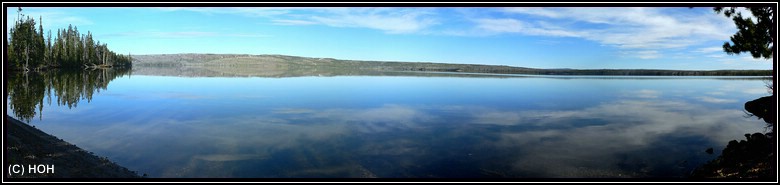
[(28, 50)]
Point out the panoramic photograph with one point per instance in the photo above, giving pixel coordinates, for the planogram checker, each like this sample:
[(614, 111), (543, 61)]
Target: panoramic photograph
[(406, 93)]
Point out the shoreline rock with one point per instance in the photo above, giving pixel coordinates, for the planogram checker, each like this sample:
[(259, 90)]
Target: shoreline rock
[(26, 145)]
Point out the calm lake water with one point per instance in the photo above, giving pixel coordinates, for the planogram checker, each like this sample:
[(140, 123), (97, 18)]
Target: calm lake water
[(398, 126)]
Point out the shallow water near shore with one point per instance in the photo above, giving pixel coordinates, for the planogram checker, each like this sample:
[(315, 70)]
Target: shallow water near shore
[(402, 125)]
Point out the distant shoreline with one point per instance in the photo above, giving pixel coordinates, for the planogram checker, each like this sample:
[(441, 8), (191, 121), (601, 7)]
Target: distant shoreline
[(27, 145), (282, 63)]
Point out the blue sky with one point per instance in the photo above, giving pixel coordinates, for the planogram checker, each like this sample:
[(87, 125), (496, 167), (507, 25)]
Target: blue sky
[(585, 37)]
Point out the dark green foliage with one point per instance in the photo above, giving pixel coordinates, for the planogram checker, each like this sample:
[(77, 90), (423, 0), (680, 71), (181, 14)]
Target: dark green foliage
[(28, 50), (73, 49), (755, 37), (26, 47)]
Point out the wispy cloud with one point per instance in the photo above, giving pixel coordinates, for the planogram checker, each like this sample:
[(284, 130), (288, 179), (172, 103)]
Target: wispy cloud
[(644, 29), (243, 11), (711, 52), (709, 49), (181, 34), (293, 22), (517, 26), (52, 18), (389, 20), (385, 19), (642, 54), (737, 62)]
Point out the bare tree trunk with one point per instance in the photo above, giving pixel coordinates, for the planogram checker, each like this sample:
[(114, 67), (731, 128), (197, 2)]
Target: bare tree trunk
[(26, 58), (773, 34)]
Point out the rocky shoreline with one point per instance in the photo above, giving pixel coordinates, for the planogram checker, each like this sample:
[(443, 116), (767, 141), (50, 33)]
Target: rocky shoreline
[(28, 146)]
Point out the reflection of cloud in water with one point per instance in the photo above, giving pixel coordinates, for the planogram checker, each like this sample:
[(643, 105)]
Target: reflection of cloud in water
[(629, 126), (178, 95), (229, 157), (750, 88), (386, 113), (248, 96), (168, 144), (759, 91), (165, 95), (124, 96), (709, 99), (380, 119), (498, 118), (643, 117), (550, 143), (292, 111), (645, 93)]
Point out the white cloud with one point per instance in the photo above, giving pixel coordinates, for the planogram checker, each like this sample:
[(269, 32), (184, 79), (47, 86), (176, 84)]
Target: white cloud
[(749, 58), (647, 54), (52, 19), (517, 26), (643, 29), (384, 19), (389, 20), (180, 34), (741, 61), (243, 11), (709, 49), (293, 22), (501, 25), (535, 11)]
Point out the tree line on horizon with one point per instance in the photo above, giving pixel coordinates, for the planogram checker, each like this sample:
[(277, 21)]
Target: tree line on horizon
[(28, 50)]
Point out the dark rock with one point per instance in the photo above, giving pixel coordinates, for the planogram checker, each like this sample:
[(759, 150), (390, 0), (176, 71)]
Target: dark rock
[(763, 108)]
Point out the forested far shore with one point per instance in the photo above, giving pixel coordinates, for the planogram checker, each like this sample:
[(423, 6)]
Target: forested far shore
[(283, 62), (28, 50)]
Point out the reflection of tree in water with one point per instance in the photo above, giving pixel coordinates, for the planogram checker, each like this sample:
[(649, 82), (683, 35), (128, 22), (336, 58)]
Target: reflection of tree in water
[(751, 158), (26, 90)]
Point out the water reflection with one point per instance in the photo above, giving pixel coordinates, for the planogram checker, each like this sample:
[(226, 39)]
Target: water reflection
[(754, 157), (27, 90), (407, 126), (615, 139)]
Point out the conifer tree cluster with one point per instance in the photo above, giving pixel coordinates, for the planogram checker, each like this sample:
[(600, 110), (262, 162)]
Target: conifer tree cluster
[(28, 50)]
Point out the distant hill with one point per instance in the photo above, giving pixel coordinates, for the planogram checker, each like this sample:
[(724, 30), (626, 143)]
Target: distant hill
[(266, 64)]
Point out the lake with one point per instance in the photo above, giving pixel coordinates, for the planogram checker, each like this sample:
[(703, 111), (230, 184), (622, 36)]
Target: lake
[(406, 125)]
